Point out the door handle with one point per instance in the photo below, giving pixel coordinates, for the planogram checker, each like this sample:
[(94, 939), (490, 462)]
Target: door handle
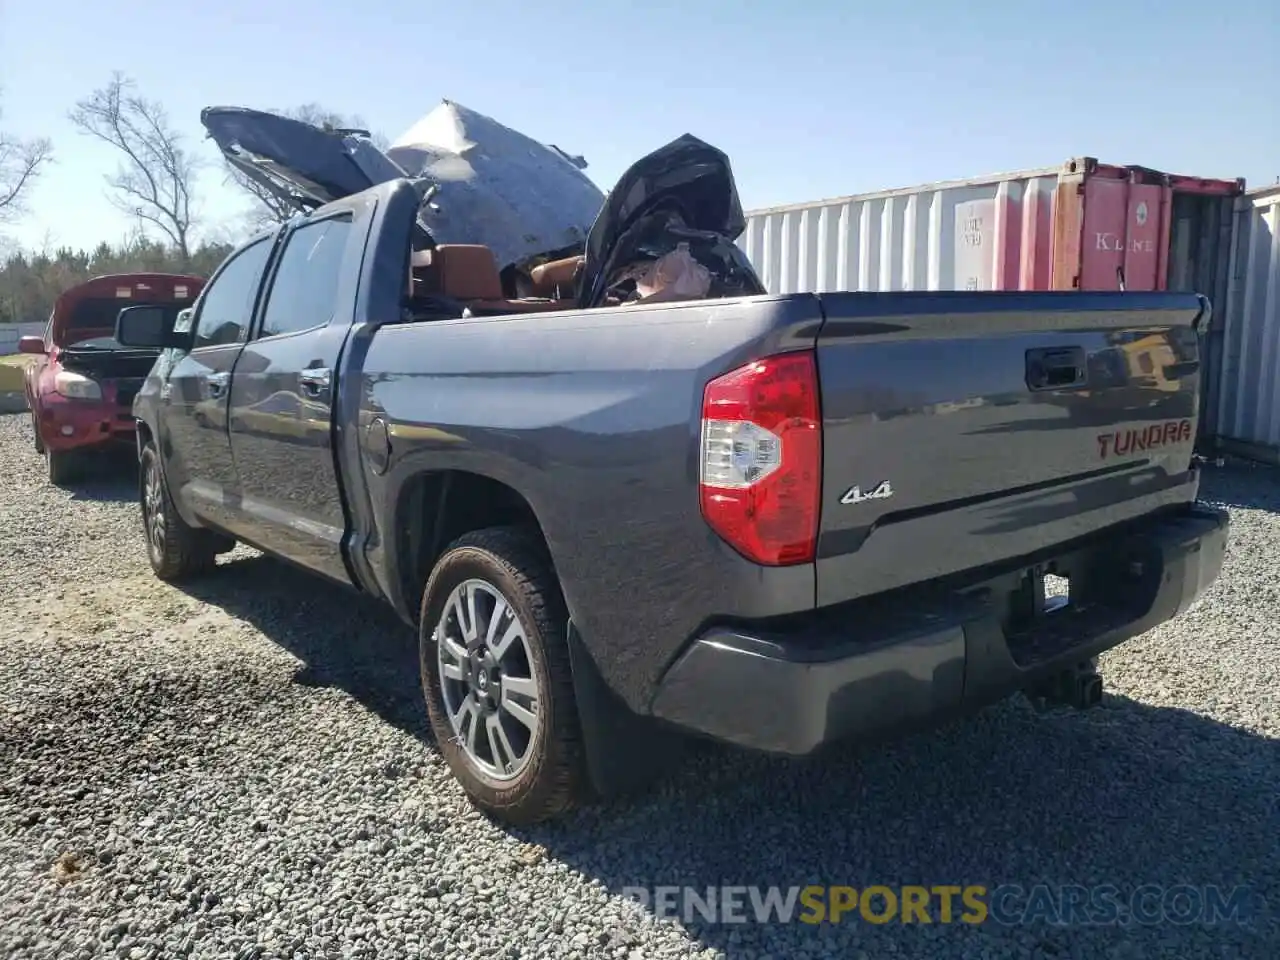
[(217, 384), (1056, 368), (314, 380)]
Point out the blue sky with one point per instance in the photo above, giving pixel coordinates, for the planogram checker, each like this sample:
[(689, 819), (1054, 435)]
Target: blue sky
[(809, 99)]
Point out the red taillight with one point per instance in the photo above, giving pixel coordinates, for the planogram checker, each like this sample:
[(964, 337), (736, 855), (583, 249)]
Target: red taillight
[(761, 458)]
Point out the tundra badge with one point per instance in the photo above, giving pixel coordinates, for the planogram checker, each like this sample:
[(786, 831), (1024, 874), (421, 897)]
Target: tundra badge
[(855, 495)]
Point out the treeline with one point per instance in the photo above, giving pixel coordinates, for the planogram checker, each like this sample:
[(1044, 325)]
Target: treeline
[(155, 183), (30, 282)]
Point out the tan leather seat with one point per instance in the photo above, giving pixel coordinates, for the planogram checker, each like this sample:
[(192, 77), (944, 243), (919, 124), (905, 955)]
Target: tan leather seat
[(556, 277), (469, 273)]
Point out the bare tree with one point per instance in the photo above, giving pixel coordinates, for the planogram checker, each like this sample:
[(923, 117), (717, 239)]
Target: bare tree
[(156, 178), (271, 208), (21, 163)]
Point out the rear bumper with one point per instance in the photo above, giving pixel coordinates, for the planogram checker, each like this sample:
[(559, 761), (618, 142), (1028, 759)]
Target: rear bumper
[(918, 655)]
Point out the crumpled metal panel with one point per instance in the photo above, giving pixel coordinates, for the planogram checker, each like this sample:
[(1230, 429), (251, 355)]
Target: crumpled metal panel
[(496, 186), (493, 185), (296, 160)]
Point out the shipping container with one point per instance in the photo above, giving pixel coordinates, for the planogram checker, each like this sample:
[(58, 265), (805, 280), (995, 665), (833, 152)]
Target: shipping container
[(942, 236), (1081, 226), (1244, 388)]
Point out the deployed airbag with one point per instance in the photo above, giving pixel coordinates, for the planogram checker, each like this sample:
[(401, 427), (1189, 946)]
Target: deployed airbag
[(680, 195)]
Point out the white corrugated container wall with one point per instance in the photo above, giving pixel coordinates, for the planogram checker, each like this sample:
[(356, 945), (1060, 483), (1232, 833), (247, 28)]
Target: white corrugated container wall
[(1249, 409), (11, 332), (990, 233)]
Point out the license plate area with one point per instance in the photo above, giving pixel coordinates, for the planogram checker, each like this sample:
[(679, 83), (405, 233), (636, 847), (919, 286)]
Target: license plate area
[(1057, 592), (1049, 608), (1043, 591), (1041, 621)]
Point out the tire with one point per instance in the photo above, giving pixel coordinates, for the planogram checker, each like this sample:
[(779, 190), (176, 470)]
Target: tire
[(549, 777), (65, 467), (176, 550), (35, 429)]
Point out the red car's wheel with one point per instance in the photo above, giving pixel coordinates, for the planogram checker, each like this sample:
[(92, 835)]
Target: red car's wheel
[(64, 467)]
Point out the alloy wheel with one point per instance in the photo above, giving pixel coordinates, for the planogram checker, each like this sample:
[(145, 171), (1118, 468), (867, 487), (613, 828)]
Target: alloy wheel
[(153, 508), (487, 679)]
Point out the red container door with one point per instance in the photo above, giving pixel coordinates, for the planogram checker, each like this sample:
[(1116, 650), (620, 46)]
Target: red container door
[(1125, 225), (1112, 225)]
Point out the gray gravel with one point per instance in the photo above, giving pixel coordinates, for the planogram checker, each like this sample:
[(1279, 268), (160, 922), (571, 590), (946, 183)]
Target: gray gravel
[(243, 769)]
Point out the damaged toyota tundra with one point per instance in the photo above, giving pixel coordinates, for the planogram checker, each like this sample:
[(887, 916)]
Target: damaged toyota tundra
[(625, 495)]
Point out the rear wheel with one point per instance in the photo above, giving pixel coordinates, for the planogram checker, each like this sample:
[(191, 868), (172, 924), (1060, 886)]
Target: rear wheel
[(177, 551), (496, 676), (35, 429)]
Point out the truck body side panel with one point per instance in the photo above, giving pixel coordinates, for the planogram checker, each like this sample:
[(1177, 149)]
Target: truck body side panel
[(593, 417)]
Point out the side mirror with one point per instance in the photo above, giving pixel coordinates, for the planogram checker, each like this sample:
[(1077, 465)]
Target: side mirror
[(148, 328), (31, 345)]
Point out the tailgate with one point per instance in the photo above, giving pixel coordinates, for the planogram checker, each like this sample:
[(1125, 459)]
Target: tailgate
[(961, 430)]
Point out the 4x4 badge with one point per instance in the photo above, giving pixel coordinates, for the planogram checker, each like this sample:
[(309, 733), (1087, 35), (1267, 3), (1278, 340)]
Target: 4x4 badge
[(855, 494)]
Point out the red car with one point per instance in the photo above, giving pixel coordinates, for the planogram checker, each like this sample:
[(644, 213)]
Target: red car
[(81, 389)]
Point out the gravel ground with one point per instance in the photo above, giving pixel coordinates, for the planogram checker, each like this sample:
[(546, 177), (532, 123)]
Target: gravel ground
[(243, 769)]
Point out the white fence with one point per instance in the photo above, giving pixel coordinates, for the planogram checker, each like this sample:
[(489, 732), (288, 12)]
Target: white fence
[(10, 332)]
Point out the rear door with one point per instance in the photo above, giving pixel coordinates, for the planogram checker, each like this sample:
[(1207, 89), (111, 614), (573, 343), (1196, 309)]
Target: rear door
[(282, 391), (193, 398)]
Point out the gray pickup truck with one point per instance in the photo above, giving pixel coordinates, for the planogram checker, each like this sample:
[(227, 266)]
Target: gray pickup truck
[(775, 521)]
